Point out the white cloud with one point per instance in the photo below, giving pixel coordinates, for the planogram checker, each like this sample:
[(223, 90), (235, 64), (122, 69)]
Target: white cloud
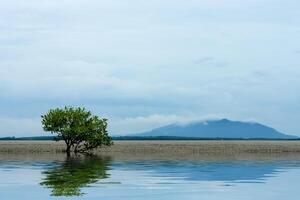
[(20, 127)]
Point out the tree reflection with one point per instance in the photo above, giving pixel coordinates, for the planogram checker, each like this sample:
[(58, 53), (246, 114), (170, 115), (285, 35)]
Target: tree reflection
[(75, 173)]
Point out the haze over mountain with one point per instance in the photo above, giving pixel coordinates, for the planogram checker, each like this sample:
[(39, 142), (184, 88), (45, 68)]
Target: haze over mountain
[(223, 128)]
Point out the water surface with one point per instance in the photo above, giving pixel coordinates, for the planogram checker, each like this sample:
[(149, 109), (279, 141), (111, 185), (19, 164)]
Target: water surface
[(95, 177)]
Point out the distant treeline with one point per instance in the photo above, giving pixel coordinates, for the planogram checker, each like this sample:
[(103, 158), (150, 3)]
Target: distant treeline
[(186, 138), (29, 138), (120, 138)]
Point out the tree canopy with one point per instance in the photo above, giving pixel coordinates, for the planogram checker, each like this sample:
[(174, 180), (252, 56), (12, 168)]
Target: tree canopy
[(80, 130)]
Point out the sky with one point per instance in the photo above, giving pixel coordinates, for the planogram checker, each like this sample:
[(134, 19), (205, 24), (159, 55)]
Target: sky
[(145, 64)]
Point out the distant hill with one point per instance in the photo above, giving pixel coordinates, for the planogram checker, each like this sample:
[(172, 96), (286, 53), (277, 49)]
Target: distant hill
[(223, 128)]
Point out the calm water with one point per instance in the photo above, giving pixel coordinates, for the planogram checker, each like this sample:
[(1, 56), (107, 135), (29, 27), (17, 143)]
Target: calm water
[(56, 177)]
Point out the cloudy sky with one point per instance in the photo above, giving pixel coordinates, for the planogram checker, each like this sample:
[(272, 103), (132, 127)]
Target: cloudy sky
[(143, 64)]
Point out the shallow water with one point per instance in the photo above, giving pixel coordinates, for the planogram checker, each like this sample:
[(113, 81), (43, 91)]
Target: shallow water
[(58, 177)]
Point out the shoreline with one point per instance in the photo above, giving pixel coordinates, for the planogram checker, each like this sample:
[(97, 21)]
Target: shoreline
[(263, 151), (164, 146)]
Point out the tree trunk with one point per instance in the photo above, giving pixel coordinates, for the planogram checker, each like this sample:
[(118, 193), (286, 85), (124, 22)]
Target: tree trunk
[(68, 150)]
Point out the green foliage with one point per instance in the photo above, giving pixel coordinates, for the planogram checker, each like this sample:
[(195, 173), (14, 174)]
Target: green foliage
[(80, 130), (75, 173)]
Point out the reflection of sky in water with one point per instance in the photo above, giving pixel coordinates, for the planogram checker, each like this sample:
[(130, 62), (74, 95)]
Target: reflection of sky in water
[(154, 179), (211, 171)]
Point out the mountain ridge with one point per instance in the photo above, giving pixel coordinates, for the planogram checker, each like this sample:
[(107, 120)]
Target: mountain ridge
[(222, 128)]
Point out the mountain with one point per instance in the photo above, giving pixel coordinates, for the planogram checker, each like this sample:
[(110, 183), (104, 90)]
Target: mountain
[(223, 128)]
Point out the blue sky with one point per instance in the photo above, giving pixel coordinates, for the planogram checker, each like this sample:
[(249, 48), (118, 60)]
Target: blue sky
[(144, 64)]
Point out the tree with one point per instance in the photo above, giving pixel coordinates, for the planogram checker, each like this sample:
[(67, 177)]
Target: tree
[(80, 130)]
